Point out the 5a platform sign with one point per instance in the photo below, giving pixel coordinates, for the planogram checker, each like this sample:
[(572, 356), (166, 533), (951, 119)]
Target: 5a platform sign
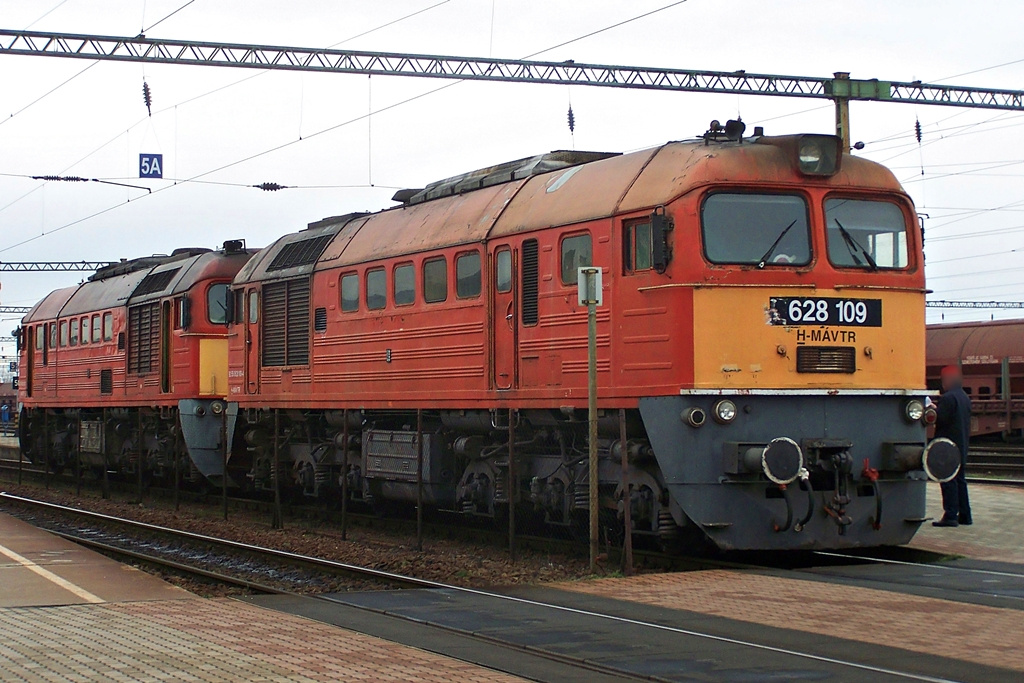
[(151, 165)]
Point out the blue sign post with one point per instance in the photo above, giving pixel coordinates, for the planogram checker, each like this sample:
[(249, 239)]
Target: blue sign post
[(5, 416), (151, 165)]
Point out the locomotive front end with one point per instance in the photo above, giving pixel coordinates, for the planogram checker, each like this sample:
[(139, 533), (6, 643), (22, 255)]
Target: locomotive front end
[(804, 425)]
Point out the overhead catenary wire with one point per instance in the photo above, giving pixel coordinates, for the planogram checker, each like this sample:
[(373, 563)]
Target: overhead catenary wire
[(317, 133)]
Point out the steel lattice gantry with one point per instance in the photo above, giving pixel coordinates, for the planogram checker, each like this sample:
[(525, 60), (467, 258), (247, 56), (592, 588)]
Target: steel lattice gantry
[(51, 266), (155, 50), (975, 304), (15, 310)]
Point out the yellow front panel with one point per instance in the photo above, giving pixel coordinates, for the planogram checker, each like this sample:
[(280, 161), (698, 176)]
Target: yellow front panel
[(735, 346), (213, 367)]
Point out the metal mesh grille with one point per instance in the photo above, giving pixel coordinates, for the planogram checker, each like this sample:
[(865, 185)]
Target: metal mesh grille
[(530, 268), (106, 381), (143, 337), (838, 359), (300, 253), (286, 323), (155, 282)]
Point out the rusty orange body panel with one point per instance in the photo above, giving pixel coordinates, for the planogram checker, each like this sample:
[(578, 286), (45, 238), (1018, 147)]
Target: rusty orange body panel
[(657, 334)]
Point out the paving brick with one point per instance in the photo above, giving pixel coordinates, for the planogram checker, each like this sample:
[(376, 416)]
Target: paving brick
[(993, 536), (974, 633), (205, 640)]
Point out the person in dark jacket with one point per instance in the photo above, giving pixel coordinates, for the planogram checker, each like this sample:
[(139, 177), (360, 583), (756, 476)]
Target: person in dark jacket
[(954, 423)]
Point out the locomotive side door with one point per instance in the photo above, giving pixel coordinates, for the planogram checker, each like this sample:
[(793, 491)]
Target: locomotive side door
[(505, 324), (252, 341)]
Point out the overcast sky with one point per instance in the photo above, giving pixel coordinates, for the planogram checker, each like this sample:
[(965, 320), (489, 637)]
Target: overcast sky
[(96, 124)]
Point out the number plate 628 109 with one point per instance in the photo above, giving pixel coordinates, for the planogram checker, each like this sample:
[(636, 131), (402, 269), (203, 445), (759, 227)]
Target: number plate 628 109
[(825, 311)]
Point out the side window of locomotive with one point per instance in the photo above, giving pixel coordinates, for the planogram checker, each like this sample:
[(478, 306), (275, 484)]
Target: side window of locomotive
[(405, 284), (85, 331), (503, 271), (350, 292), (435, 280), (63, 333), (376, 289), (216, 304), (576, 253), (467, 274), (108, 327), (254, 306), (73, 336), (756, 229), (53, 335), (864, 233), (637, 251), (97, 330), (40, 335)]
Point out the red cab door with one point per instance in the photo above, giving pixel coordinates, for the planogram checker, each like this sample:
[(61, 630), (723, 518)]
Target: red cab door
[(252, 341), (506, 326)]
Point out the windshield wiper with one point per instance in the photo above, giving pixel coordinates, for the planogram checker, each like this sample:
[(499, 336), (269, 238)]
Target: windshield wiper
[(851, 243), (768, 254)]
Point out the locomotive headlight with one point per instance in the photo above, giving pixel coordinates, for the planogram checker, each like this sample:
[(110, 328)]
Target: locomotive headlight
[(818, 154), (913, 410), (725, 411)]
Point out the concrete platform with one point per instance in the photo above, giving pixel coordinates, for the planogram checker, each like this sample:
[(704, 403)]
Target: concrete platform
[(38, 568), (994, 535), (69, 614)]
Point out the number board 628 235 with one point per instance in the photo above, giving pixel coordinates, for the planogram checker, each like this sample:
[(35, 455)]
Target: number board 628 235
[(825, 311)]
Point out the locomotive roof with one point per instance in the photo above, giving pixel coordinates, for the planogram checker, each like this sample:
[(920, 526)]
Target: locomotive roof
[(136, 284), (978, 342), (542, 192)]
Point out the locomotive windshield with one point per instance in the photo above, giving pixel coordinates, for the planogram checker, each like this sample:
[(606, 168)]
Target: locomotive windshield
[(865, 234), (756, 229)]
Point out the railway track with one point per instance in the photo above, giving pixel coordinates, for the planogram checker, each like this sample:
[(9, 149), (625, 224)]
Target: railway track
[(996, 463), (84, 532)]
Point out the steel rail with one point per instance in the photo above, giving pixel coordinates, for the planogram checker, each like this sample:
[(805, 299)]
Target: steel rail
[(423, 583)]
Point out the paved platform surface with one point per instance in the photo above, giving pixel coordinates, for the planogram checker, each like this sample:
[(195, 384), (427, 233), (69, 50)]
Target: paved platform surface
[(995, 535), (38, 568), (69, 614), (668, 643)]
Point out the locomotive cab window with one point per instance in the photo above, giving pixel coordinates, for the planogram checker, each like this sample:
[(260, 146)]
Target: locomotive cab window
[(467, 274), (637, 246), (85, 330), (40, 335), (576, 253), (503, 271), (350, 292), (217, 304), (97, 330), (74, 333), (63, 333), (108, 327), (254, 306), (435, 280), (865, 233), (405, 284), (376, 289), (756, 229)]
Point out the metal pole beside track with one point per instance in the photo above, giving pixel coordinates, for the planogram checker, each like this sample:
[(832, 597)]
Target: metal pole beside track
[(278, 521), (592, 415), (46, 447), (419, 479), (344, 476), (511, 485), (138, 459), (106, 465), (78, 457), (627, 522), (224, 463), (177, 456), (22, 429)]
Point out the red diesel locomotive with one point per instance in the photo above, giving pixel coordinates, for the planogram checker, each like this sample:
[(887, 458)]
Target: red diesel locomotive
[(763, 327), (106, 364)]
